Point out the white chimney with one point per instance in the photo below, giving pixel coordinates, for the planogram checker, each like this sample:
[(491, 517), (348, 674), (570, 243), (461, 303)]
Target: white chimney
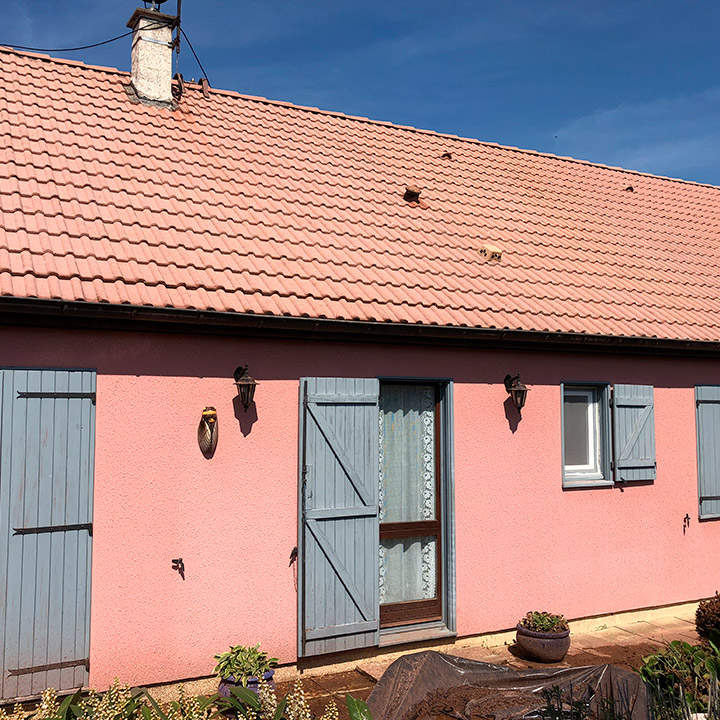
[(152, 49)]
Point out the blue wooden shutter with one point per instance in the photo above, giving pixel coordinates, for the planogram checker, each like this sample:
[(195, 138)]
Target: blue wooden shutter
[(634, 431), (340, 538), (47, 443), (707, 400)]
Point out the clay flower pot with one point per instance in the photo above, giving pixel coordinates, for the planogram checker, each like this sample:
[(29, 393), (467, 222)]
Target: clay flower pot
[(545, 647)]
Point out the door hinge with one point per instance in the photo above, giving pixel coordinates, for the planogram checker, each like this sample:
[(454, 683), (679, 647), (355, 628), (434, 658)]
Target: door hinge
[(56, 395), (50, 666), (53, 528)]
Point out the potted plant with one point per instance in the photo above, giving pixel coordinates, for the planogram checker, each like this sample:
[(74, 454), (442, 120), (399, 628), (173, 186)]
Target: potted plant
[(543, 636), (242, 666)]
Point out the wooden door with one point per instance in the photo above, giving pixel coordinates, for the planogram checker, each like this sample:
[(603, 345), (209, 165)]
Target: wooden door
[(339, 496)]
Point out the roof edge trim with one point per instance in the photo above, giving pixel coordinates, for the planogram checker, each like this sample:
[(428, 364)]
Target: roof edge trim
[(82, 315)]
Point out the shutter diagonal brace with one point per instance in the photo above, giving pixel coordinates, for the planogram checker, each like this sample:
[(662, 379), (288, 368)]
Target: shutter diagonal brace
[(339, 452), (339, 568), (639, 425)]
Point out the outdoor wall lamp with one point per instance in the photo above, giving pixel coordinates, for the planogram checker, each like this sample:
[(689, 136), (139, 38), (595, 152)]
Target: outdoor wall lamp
[(517, 391), (245, 385), (208, 431)]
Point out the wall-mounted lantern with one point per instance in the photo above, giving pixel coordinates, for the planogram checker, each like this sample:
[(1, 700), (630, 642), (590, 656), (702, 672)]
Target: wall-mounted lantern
[(208, 432), (245, 386), (517, 391)]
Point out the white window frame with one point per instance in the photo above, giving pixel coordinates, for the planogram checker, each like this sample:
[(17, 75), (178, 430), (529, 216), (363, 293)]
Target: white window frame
[(597, 472), (592, 468)]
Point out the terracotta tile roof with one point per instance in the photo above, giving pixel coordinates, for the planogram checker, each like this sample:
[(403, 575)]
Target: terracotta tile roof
[(244, 205)]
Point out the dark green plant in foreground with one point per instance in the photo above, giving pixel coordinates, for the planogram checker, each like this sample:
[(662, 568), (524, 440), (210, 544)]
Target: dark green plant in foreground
[(707, 618), (244, 703), (681, 674)]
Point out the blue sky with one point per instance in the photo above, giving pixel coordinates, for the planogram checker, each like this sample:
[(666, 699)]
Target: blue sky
[(635, 84)]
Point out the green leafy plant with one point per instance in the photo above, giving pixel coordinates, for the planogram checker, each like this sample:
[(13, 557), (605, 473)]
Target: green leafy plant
[(544, 622), (247, 705), (119, 702), (707, 617), (186, 707), (242, 662), (357, 709), (680, 668), (244, 703)]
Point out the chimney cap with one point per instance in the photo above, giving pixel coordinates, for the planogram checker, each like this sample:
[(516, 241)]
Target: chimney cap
[(152, 15)]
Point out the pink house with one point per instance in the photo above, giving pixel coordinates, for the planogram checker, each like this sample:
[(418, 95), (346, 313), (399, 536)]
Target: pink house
[(379, 282)]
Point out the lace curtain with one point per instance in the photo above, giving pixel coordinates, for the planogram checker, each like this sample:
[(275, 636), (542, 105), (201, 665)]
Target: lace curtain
[(407, 490)]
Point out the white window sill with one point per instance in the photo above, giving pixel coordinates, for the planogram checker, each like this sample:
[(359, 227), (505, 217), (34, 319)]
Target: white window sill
[(580, 481)]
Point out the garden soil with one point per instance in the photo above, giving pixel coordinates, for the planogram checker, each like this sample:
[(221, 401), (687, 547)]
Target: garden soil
[(434, 686)]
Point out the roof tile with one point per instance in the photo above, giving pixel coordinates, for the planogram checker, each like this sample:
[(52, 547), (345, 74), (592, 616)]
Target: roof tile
[(244, 205)]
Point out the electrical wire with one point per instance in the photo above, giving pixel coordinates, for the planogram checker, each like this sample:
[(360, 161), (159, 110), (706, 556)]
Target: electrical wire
[(192, 49), (106, 42), (81, 47)]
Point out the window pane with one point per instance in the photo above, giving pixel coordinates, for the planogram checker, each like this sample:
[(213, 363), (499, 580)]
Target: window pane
[(407, 453), (577, 437), (408, 569)]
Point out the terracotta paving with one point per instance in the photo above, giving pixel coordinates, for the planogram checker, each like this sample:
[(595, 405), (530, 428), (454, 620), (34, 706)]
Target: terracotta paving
[(623, 645), (239, 204)]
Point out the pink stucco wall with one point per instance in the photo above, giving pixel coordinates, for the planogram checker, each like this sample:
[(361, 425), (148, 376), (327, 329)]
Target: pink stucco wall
[(522, 542)]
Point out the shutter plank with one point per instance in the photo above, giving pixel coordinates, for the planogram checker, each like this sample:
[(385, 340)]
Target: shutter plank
[(5, 519), (634, 431), (47, 460), (340, 528), (707, 399)]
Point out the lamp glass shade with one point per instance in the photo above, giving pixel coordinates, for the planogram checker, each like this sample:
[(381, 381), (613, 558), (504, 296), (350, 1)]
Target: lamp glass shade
[(245, 386), (518, 393)]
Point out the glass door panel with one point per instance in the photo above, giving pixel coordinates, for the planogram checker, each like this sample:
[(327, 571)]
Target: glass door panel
[(407, 453), (409, 550), (408, 569)]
